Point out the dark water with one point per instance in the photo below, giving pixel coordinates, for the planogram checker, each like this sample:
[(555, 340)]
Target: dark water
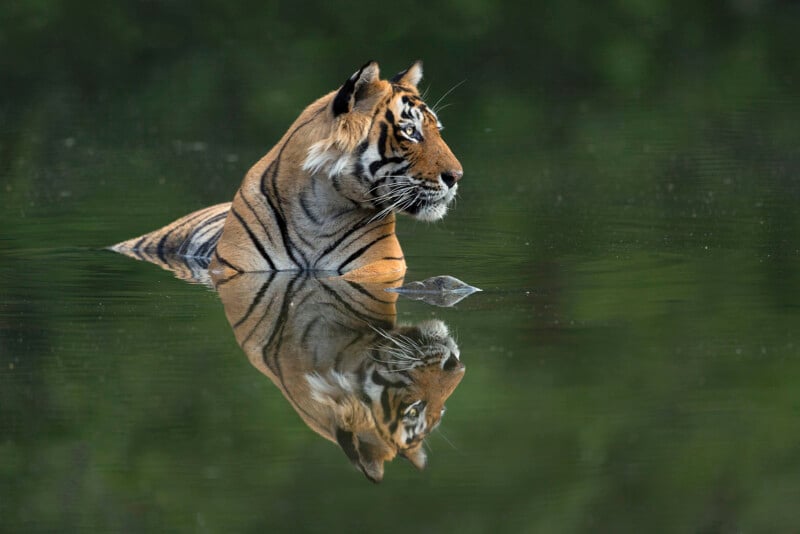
[(631, 363)]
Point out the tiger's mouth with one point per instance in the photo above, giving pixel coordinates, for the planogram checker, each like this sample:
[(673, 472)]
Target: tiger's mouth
[(416, 197)]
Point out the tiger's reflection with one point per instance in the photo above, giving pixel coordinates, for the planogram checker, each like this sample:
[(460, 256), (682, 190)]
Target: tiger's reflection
[(335, 351)]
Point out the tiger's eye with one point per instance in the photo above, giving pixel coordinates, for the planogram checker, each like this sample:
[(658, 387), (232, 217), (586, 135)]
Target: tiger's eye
[(409, 130), (413, 412)]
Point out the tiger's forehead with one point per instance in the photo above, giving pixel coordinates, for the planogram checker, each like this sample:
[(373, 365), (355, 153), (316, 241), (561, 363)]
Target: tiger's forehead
[(410, 107)]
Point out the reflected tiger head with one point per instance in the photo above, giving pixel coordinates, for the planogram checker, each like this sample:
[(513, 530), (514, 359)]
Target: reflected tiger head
[(412, 372), (384, 149)]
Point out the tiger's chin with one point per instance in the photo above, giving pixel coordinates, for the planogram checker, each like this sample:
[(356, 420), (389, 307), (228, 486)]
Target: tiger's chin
[(430, 213), (431, 210)]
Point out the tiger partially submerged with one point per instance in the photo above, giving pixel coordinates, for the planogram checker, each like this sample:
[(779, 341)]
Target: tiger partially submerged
[(325, 197)]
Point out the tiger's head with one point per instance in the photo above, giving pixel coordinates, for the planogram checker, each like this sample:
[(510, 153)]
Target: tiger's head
[(383, 149), (413, 371)]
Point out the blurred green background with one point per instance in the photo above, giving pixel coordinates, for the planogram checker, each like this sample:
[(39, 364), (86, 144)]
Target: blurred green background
[(629, 208)]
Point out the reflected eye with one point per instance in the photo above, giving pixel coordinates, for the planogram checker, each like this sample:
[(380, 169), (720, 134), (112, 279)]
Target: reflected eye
[(409, 130), (413, 411)]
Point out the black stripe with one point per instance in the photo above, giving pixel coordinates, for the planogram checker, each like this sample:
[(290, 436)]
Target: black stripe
[(387, 409), (307, 210), (363, 291), (225, 262), (160, 248), (375, 166), (399, 137), (384, 139), (359, 225), (277, 331), (382, 381), (361, 251), (345, 441), (273, 364), (209, 245), (253, 238), (383, 147), (281, 222), (341, 102), (366, 317), (256, 215), (335, 183), (274, 167), (188, 219), (219, 283), (399, 76), (170, 230), (310, 241), (265, 314), (366, 232), (255, 302), (187, 242)]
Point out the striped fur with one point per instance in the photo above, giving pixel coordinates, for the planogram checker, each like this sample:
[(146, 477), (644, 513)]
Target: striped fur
[(333, 348), (184, 246), (325, 197)]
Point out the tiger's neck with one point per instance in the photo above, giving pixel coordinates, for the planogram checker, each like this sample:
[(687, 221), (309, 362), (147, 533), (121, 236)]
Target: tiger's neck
[(299, 222)]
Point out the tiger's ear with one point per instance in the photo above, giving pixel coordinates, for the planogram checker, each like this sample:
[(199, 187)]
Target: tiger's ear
[(371, 461), (411, 76), (417, 457), (364, 456), (354, 87)]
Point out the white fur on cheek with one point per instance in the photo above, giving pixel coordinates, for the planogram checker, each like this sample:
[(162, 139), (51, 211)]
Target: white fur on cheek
[(327, 391), (323, 157), (319, 154)]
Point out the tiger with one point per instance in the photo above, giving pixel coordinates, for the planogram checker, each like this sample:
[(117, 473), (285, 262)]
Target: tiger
[(324, 198), (334, 349)]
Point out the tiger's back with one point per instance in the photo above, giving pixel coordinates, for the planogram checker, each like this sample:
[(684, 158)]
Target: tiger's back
[(192, 236)]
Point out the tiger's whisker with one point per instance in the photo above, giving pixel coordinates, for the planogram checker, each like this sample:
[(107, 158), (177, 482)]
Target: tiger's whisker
[(385, 335), (446, 439), (433, 107)]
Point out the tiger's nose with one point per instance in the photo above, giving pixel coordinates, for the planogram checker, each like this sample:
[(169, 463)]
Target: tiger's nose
[(451, 177), (452, 363)]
